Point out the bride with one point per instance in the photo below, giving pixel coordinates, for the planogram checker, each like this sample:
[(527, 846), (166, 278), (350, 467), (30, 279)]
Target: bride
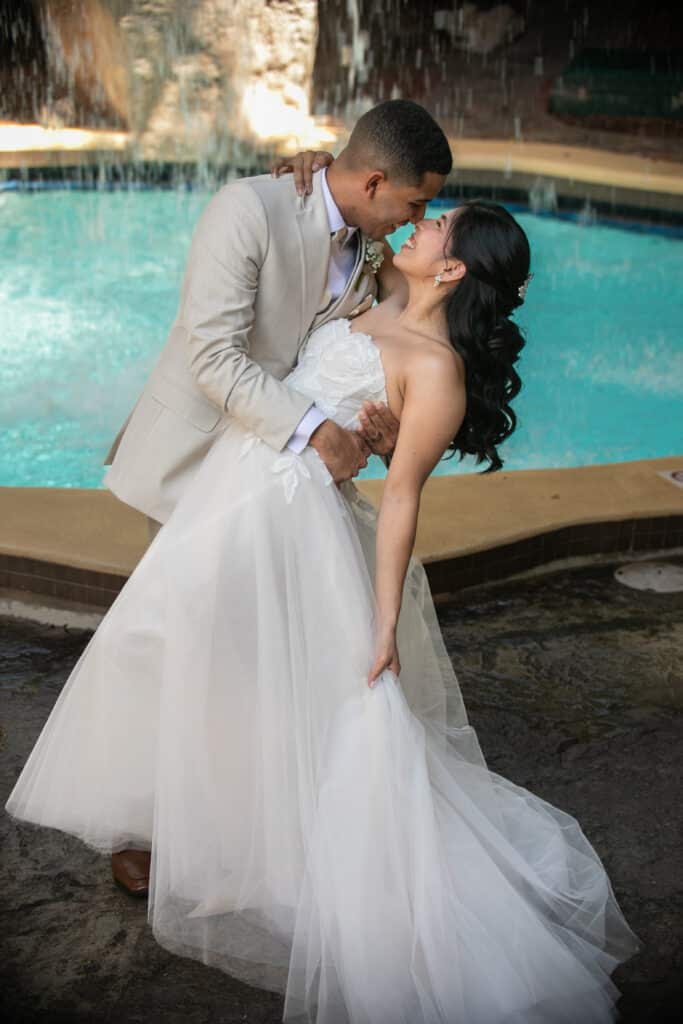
[(268, 706)]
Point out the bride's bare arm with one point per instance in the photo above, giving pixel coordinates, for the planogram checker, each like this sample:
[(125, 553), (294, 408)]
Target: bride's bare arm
[(433, 410)]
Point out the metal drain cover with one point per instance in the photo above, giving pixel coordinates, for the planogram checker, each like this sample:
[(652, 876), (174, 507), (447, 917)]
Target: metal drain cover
[(661, 576)]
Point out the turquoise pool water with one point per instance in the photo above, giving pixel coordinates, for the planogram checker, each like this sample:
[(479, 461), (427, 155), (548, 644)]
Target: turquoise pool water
[(89, 286)]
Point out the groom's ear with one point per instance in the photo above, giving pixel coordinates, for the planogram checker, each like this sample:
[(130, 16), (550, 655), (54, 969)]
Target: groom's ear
[(372, 180)]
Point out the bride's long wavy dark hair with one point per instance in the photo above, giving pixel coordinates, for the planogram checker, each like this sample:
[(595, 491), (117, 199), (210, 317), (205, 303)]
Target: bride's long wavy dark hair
[(495, 251)]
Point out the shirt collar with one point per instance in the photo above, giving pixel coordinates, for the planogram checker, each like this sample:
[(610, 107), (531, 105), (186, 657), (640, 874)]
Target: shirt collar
[(334, 217)]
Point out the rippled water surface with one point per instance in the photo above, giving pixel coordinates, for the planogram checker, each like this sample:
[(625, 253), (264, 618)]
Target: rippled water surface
[(89, 286)]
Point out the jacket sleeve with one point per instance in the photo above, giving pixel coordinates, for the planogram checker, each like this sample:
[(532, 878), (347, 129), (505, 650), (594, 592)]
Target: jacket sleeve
[(217, 312)]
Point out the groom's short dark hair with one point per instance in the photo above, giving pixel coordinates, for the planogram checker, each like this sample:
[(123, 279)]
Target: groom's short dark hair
[(402, 139)]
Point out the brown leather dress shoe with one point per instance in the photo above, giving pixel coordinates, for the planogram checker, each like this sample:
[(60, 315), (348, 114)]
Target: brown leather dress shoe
[(130, 869)]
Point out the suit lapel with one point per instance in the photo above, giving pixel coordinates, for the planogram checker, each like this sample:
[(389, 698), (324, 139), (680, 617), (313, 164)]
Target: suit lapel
[(314, 238), (352, 282), (354, 292)]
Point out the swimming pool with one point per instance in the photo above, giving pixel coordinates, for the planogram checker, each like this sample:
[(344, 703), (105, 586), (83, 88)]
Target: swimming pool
[(89, 286)]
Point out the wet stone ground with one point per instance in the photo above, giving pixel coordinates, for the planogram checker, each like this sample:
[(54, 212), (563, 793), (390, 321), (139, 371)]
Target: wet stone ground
[(575, 686)]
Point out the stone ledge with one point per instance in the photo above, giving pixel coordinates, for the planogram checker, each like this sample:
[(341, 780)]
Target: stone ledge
[(574, 163), (81, 545)]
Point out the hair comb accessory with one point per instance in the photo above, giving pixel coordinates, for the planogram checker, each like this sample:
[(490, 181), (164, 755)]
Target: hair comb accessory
[(521, 291)]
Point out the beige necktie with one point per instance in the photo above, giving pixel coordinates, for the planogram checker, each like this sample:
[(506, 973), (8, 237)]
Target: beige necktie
[(342, 259)]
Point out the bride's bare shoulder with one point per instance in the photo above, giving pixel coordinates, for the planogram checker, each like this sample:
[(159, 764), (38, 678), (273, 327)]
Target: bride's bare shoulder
[(435, 359)]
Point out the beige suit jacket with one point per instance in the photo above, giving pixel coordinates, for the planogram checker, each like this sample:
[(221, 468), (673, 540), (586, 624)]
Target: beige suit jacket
[(254, 284)]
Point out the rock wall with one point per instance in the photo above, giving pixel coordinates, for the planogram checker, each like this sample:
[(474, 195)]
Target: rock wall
[(87, 80), (190, 78), (198, 70), (373, 50)]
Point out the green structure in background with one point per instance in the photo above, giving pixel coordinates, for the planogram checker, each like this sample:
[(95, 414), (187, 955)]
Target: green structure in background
[(621, 84)]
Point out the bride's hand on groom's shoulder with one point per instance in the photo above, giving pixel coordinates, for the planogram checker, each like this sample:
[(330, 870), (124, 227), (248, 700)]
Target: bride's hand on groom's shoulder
[(378, 427), (303, 166)]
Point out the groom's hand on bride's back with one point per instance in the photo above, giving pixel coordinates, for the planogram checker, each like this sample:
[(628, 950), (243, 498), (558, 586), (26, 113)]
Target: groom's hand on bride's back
[(344, 452)]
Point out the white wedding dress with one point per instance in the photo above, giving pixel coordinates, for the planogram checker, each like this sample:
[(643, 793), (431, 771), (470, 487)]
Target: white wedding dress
[(342, 845)]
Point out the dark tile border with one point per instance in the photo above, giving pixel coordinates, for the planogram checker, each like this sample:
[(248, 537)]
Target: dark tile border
[(97, 589), (110, 171), (623, 205), (619, 537), (100, 589), (584, 201)]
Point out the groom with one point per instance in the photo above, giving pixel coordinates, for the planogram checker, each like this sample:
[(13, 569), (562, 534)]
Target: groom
[(266, 267)]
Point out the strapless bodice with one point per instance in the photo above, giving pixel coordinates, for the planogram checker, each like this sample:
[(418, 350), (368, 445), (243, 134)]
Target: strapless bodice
[(339, 369)]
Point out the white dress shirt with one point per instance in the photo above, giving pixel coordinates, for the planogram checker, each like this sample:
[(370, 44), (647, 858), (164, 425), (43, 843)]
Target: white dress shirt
[(342, 262)]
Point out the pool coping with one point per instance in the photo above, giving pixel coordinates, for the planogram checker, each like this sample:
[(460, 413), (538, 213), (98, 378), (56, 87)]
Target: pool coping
[(81, 545)]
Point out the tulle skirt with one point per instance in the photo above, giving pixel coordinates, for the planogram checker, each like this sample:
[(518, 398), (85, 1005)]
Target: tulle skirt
[(345, 846)]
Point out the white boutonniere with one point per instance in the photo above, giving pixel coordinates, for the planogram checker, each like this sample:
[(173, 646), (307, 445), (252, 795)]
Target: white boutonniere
[(374, 256)]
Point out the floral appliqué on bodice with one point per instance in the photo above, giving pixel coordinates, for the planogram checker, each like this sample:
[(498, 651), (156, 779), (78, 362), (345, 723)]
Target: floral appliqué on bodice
[(338, 369)]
